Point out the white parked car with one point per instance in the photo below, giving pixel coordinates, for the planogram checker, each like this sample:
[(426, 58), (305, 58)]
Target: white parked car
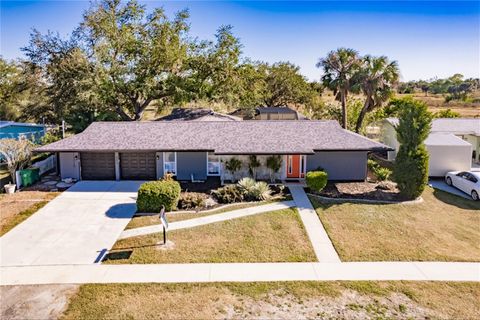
[(468, 182)]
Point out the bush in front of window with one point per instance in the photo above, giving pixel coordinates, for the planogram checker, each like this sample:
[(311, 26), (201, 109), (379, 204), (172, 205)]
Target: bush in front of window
[(228, 194), (153, 195), (316, 180)]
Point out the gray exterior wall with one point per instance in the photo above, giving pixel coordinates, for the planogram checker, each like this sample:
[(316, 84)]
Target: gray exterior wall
[(189, 163), (340, 165)]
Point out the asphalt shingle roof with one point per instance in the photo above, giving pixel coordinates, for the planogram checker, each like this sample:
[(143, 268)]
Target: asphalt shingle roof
[(227, 137)]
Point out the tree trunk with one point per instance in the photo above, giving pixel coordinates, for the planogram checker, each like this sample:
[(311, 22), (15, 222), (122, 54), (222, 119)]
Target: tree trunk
[(344, 108), (361, 116)]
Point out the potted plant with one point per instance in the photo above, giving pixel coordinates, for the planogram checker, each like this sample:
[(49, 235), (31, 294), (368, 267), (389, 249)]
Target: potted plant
[(17, 155), (10, 188)]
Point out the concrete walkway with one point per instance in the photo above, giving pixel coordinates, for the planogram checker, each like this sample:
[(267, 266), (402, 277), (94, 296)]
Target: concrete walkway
[(321, 243), (195, 222), (240, 272), (74, 227)]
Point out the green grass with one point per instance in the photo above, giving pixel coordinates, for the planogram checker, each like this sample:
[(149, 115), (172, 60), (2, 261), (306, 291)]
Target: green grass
[(379, 300), (268, 237), (20, 217), (442, 228)]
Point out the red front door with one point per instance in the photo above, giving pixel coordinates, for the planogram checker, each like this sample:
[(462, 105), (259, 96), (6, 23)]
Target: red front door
[(295, 166)]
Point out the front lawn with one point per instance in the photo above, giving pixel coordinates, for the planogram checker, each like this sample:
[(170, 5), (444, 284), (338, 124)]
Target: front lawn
[(275, 300), (143, 221), (17, 207), (267, 237), (442, 228)]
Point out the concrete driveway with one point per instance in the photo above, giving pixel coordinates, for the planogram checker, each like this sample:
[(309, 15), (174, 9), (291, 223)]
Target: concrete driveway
[(441, 185), (74, 227)]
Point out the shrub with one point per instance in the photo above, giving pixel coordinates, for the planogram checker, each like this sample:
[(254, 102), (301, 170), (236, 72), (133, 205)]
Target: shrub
[(191, 200), (246, 185), (372, 164), (253, 164), (155, 194), (254, 191), (274, 163), (261, 191), (411, 164), (316, 180), (228, 194), (382, 174)]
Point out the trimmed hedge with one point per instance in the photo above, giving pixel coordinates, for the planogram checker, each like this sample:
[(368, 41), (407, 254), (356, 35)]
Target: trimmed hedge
[(316, 180), (155, 194)]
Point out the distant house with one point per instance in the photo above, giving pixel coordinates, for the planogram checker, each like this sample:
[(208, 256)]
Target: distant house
[(197, 114), (15, 130), (452, 144), (278, 113), (199, 149), (271, 113)]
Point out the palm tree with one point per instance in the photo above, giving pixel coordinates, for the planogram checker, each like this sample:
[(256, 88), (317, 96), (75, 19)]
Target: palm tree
[(339, 67), (377, 78)]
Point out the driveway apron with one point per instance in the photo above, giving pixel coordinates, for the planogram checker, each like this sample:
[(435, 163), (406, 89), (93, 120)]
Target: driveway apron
[(73, 228)]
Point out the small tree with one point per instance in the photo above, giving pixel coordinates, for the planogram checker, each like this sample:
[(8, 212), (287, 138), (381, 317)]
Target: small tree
[(17, 154), (274, 163), (411, 164), (253, 164), (232, 166)]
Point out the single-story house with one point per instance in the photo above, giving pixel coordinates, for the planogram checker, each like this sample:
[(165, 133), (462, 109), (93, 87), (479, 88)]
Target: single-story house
[(197, 114), (15, 130), (278, 113), (453, 143), (197, 150)]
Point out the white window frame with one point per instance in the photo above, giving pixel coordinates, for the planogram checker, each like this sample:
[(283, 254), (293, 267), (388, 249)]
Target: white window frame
[(303, 165), (165, 162), (219, 165)]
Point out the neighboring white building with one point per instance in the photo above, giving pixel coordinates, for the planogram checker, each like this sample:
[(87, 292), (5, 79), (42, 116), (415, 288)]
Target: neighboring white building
[(452, 144), (447, 153)]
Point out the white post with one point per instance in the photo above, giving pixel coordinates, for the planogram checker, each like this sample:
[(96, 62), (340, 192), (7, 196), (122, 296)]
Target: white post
[(117, 166), (63, 129)]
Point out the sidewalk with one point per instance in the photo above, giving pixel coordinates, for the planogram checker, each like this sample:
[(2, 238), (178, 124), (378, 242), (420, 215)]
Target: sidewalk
[(190, 223), (321, 243), (240, 272)]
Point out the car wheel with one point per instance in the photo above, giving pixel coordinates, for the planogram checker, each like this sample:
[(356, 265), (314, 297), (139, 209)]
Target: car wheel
[(449, 181), (474, 195)]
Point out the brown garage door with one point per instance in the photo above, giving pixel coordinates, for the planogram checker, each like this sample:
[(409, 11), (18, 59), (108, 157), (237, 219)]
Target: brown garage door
[(98, 165), (138, 166)]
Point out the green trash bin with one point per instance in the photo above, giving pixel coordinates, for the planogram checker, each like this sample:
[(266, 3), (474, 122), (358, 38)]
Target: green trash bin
[(29, 176)]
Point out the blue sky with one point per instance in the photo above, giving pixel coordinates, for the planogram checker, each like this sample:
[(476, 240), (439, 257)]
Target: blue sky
[(428, 39)]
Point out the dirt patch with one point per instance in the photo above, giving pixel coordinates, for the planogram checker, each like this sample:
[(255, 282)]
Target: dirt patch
[(35, 302), (349, 305), (277, 300), (383, 191)]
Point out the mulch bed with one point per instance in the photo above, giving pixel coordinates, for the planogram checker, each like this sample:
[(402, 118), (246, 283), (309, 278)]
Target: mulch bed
[(359, 190)]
